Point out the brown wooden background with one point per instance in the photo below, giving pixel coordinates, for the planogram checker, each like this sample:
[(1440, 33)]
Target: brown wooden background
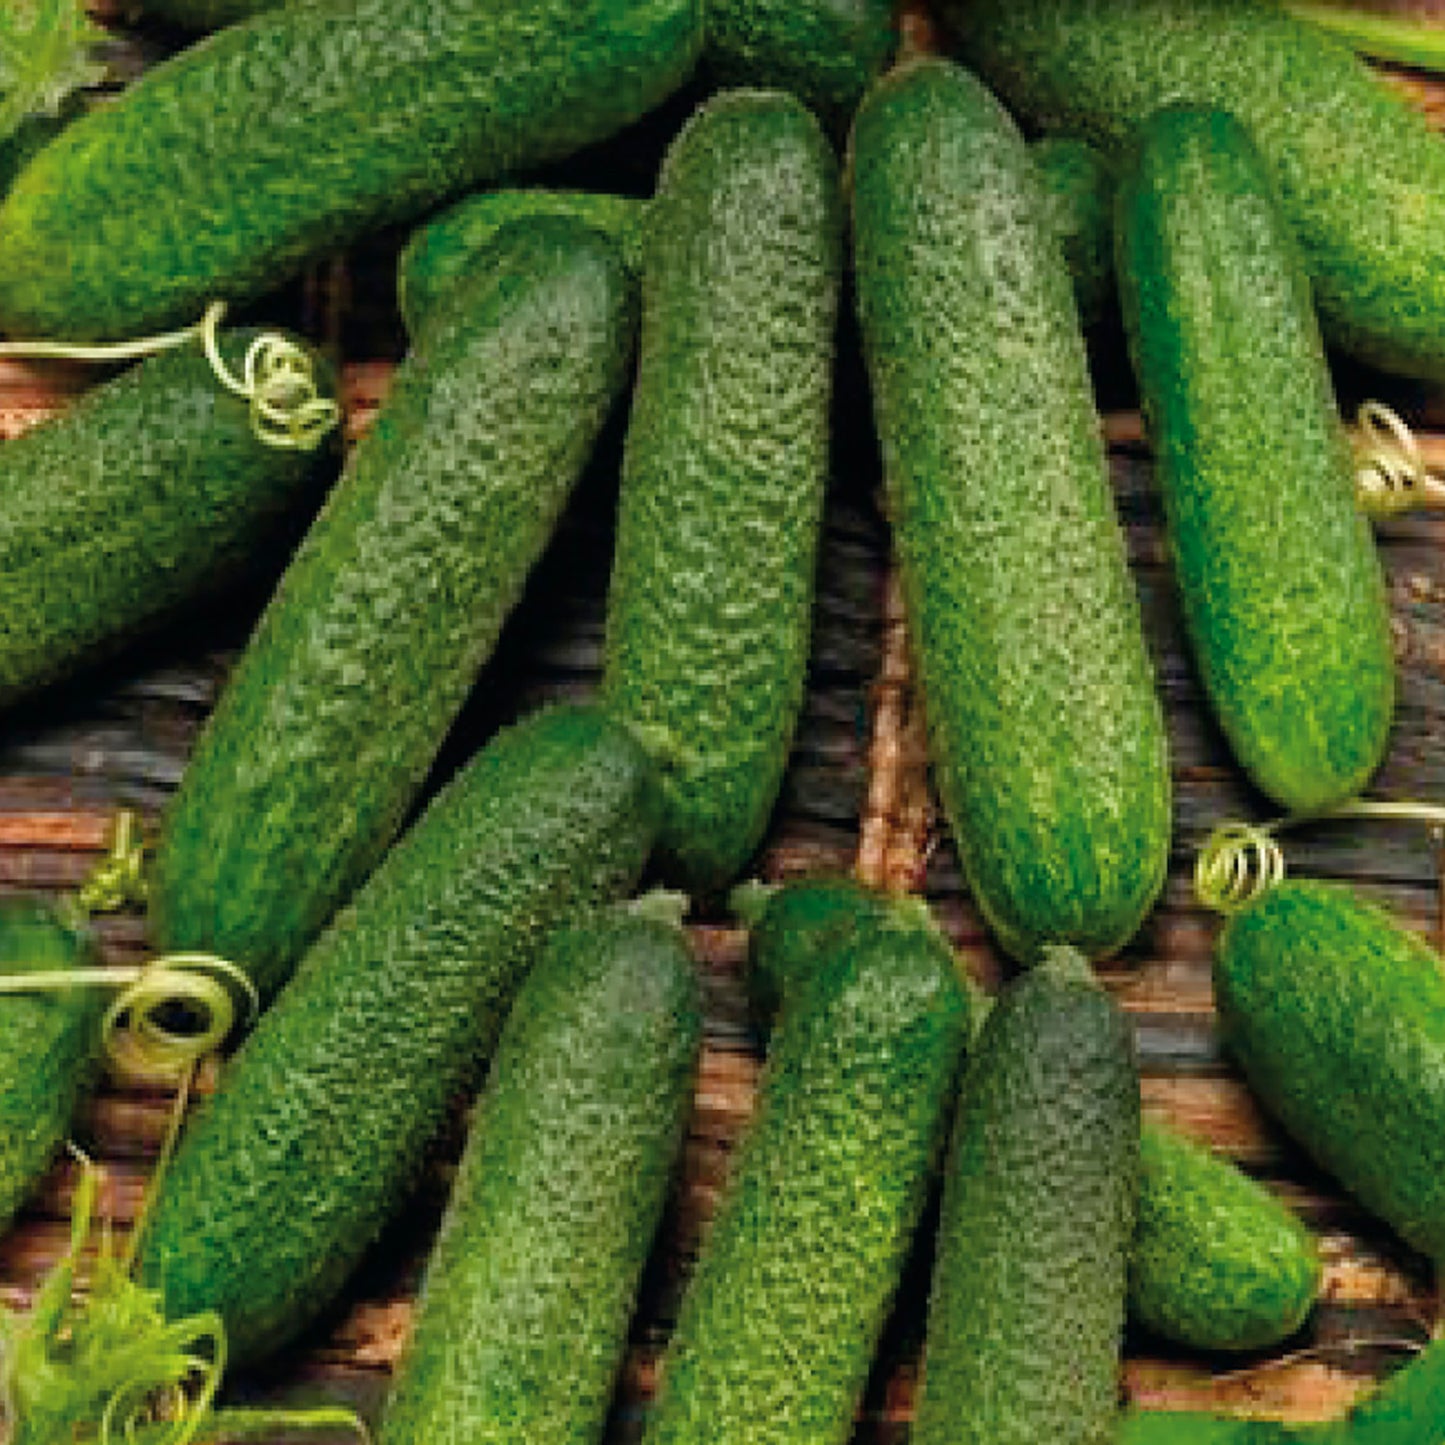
[(856, 795)]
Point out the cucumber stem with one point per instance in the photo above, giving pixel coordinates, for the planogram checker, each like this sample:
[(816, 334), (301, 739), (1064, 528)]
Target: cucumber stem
[(1384, 37)]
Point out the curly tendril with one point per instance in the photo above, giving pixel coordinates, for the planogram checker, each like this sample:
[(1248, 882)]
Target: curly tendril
[(1391, 475), (1238, 863)]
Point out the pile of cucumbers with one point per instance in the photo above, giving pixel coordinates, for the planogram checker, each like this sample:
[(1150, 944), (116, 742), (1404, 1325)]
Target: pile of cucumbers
[(1235, 183)]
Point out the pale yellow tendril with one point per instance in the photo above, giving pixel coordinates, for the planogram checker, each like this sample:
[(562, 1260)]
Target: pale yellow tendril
[(1391, 475), (1238, 863)]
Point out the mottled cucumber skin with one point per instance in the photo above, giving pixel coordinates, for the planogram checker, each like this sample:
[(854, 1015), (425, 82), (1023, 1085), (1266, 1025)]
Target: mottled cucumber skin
[(709, 610), (1184, 1427), (1046, 734), (523, 1315), (141, 497), (1218, 1262), (1336, 1014), (342, 698), (1026, 1307), (1360, 176), (224, 169), (49, 1045), (826, 52), (1280, 582), (287, 1174), (779, 1324), (1078, 187), (445, 250)]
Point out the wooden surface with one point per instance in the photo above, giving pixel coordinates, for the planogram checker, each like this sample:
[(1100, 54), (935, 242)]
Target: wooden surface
[(856, 794)]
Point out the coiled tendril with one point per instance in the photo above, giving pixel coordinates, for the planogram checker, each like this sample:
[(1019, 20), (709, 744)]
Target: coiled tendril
[(1391, 475), (1238, 863)]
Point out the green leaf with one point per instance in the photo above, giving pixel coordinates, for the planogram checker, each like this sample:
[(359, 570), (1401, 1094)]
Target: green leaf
[(46, 54)]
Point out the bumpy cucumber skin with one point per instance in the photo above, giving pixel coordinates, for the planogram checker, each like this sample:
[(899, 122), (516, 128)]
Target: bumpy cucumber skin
[(1359, 174), (1079, 195), (780, 1320), (445, 250), (140, 497), (1046, 734), (48, 1046), (341, 700), (286, 1175), (1218, 1262), (1336, 1014), (1281, 585), (709, 611), (1184, 1427), (224, 169), (1026, 1308), (524, 1311), (826, 52)]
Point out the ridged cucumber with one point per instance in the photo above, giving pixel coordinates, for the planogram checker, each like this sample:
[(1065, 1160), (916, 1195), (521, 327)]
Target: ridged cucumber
[(444, 251), (345, 692), (285, 1176), (523, 1314), (1026, 1308), (1336, 1014), (781, 1317), (709, 611), (140, 497), (223, 169), (1360, 176), (48, 1045), (1282, 589), (1046, 735), (1079, 196)]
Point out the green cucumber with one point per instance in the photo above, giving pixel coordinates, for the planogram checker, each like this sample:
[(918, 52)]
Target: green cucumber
[(1079, 195), (1026, 1308), (49, 1045), (710, 604), (1187, 1427), (1218, 1262), (444, 251), (1359, 174), (1336, 1015), (1045, 731), (286, 1175), (136, 500), (338, 706), (224, 169), (1282, 588), (781, 1316), (826, 52), (523, 1313)]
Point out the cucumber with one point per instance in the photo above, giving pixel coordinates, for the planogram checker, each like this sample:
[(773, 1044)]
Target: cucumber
[(1218, 1262), (139, 498), (444, 251), (1336, 1014), (1282, 589), (341, 700), (1026, 1307), (1079, 196), (826, 52), (224, 169), (724, 467), (285, 1176), (1360, 176), (778, 1326), (523, 1314), (1185, 1427), (49, 1045), (1046, 735)]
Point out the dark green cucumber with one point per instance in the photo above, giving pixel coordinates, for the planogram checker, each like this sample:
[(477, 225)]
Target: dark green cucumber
[(524, 1311), (444, 251), (826, 52), (1026, 1308), (1218, 1262), (781, 1317), (1282, 589), (710, 607), (1185, 1427), (48, 1045), (341, 700), (1079, 196), (1360, 176), (286, 1175), (227, 167), (1046, 735), (1336, 1014), (137, 499)]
